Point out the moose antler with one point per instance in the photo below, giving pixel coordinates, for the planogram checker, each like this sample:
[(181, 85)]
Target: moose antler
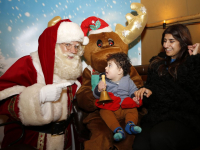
[(135, 25), (53, 21)]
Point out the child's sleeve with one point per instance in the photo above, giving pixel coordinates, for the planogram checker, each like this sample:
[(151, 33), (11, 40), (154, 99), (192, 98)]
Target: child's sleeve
[(96, 93)]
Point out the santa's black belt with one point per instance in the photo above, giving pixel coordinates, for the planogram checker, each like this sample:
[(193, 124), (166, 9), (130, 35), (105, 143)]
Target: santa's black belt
[(54, 128)]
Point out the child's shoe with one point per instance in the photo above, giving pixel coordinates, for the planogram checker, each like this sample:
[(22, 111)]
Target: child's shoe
[(131, 128), (118, 134)]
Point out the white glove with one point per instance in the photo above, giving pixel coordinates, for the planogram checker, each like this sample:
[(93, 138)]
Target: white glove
[(52, 92)]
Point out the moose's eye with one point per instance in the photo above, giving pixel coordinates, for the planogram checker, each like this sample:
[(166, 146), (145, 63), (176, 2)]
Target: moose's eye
[(111, 42), (99, 43)]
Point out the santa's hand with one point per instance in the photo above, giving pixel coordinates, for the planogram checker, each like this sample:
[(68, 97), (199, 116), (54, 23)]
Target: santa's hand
[(52, 92)]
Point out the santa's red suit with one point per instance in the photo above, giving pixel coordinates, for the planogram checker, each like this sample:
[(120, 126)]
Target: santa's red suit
[(20, 89)]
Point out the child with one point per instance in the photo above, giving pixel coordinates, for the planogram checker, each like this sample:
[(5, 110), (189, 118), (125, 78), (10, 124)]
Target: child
[(121, 90)]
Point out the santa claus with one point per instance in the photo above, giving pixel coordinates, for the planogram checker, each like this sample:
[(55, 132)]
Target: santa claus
[(37, 89)]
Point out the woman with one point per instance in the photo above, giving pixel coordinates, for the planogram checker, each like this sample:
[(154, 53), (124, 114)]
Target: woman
[(172, 95)]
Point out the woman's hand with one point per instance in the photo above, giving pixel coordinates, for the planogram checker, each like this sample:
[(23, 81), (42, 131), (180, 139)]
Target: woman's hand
[(136, 100), (194, 49), (101, 86), (141, 92)]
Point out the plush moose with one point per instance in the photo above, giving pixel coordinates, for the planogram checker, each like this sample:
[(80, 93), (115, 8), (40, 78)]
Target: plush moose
[(102, 42)]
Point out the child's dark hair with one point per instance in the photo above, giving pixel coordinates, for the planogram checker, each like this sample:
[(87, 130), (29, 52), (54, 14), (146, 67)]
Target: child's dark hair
[(121, 60)]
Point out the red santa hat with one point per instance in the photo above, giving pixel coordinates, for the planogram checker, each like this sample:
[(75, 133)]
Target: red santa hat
[(64, 31), (94, 25)]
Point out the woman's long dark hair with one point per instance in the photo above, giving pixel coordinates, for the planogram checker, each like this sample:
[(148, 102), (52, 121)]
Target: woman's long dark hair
[(182, 34)]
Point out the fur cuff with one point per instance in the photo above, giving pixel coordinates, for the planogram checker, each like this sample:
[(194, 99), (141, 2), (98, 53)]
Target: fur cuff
[(55, 142), (29, 105), (11, 91)]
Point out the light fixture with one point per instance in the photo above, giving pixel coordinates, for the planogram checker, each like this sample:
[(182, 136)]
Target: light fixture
[(164, 24)]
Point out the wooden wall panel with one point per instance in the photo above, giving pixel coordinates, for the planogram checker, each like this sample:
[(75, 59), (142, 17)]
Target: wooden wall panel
[(159, 10)]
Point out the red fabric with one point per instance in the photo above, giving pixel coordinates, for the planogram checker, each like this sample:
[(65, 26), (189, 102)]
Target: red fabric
[(130, 103), (12, 132), (4, 108), (22, 72), (113, 105), (68, 139), (88, 22), (46, 50), (74, 87)]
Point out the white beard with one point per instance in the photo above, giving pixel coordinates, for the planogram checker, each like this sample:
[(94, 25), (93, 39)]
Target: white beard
[(65, 68)]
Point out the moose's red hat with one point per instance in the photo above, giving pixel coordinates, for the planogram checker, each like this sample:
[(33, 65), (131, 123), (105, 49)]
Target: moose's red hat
[(94, 25)]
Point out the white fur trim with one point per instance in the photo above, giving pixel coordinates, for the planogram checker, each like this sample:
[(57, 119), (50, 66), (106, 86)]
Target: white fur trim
[(68, 32), (78, 85), (85, 40), (55, 142), (45, 108), (33, 113), (29, 107), (37, 65), (11, 91), (89, 68), (60, 107), (106, 29)]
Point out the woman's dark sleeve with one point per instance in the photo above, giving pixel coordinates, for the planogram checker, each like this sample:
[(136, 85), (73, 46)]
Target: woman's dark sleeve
[(189, 76)]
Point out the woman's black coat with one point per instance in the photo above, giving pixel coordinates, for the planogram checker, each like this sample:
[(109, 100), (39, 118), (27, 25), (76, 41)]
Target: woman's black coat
[(175, 99)]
